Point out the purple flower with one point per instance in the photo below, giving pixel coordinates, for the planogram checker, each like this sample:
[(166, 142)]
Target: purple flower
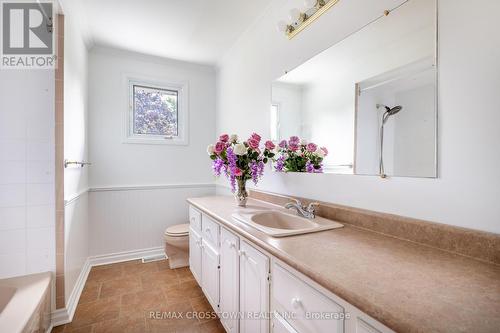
[(295, 140), (280, 164), (282, 144), (231, 161), (309, 167), (217, 166), (256, 170)]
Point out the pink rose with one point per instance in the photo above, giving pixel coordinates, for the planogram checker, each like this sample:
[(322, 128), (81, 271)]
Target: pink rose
[(293, 146), (224, 137), (252, 143), (219, 147), (237, 172), (269, 145), (294, 140), (325, 151), (311, 147), (255, 137), (282, 144)]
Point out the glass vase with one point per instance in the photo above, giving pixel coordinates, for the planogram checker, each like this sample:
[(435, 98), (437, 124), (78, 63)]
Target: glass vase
[(241, 194)]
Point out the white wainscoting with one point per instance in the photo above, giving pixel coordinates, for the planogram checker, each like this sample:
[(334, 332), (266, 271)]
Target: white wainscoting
[(76, 239), (131, 218)]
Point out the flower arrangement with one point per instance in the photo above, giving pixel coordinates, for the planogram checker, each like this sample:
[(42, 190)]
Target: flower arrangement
[(240, 161), (296, 155)]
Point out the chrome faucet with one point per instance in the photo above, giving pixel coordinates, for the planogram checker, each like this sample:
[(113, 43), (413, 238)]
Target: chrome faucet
[(307, 212)]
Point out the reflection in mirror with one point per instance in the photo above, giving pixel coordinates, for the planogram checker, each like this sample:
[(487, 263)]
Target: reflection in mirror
[(345, 97)]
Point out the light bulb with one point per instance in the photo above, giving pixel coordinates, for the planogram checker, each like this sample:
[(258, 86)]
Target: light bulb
[(281, 26), (294, 15), (310, 3)]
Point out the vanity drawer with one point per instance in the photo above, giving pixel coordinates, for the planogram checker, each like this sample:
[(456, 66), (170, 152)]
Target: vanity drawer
[(210, 231), (312, 311), (280, 325), (194, 219)]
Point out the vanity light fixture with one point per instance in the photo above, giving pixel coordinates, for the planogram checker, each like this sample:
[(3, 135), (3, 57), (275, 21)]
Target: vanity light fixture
[(301, 19)]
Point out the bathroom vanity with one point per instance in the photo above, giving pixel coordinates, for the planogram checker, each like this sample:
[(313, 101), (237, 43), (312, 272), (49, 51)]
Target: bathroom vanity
[(342, 280), (239, 277)]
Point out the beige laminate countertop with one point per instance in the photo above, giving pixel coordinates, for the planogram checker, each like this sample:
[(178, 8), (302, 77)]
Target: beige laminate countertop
[(404, 285)]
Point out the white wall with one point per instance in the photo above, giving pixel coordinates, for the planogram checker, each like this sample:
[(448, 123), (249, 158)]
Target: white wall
[(27, 190), (135, 217), (414, 139), (76, 223), (467, 190), (289, 99)]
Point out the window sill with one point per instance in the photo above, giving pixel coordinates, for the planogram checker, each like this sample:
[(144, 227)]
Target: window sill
[(155, 141)]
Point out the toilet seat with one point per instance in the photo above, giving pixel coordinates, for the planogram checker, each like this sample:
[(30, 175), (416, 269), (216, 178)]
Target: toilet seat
[(178, 230)]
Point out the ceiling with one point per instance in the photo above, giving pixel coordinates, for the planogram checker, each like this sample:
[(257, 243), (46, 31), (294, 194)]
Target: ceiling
[(198, 31)]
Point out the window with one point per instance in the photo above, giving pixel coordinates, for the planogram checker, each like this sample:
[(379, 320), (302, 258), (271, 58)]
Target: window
[(275, 124), (157, 112)]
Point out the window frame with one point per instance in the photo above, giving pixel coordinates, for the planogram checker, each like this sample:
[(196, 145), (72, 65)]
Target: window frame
[(182, 111)]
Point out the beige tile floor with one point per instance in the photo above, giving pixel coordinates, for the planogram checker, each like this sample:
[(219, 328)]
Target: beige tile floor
[(121, 298)]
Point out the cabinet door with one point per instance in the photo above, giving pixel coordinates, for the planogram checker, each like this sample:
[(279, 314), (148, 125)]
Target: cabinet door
[(195, 254), (210, 274), (229, 280), (254, 290)]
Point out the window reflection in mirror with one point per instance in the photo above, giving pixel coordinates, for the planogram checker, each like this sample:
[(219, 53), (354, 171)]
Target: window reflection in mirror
[(332, 98)]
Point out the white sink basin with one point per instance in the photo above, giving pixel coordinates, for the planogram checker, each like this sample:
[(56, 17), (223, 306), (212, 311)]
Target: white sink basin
[(278, 224)]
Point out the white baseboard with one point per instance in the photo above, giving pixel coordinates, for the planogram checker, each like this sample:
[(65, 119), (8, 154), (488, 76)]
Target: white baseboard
[(125, 256), (65, 315)]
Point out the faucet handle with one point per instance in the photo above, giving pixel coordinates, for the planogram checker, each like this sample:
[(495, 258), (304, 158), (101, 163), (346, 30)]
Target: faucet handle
[(293, 202), (311, 207)]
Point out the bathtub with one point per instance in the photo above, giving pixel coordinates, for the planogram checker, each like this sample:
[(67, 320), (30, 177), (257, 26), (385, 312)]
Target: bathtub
[(25, 303)]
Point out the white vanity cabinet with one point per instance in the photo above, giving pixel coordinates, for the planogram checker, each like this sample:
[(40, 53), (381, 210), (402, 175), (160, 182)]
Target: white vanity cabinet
[(254, 290), (195, 243), (233, 275), (307, 309), (210, 273), (229, 279), (195, 254)]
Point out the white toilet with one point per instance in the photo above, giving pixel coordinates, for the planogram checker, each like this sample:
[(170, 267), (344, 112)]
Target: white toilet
[(177, 245)]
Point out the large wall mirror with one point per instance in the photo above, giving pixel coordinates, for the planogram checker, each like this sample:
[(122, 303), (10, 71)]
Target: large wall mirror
[(370, 99)]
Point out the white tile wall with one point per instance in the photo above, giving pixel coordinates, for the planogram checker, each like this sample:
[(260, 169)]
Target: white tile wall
[(27, 189)]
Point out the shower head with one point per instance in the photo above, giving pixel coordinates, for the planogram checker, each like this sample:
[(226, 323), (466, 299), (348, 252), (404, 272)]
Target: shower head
[(389, 111), (394, 110)]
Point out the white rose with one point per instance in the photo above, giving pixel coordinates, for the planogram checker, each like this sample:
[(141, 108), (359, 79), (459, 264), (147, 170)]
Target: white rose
[(320, 152), (303, 142), (233, 138), (210, 149), (240, 149)]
